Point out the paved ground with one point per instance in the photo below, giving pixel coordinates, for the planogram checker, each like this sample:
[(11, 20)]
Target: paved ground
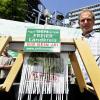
[(74, 94)]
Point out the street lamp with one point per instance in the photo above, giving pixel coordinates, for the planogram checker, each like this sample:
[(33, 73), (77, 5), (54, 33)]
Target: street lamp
[(46, 15)]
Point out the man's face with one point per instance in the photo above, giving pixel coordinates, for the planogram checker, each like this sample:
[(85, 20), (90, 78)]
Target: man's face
[(86, 22)]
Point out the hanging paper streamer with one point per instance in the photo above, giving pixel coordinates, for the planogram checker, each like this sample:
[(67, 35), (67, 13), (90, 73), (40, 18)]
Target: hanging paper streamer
[(44, 73)]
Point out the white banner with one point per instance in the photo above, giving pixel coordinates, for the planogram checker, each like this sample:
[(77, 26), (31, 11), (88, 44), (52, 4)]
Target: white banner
[(44, 73)]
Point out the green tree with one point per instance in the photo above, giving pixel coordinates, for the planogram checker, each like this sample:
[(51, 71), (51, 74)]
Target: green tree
[(13, 9)]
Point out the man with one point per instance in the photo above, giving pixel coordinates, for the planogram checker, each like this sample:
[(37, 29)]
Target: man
[(5, 65), (86, 23)]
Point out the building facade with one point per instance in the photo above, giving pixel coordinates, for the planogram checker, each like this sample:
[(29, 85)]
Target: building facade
[(73, 16)]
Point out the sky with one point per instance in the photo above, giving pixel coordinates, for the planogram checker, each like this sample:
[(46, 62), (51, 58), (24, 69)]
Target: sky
[(65, 6)]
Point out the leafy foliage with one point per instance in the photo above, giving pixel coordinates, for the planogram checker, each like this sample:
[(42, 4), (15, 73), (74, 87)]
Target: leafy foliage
[(13, 9)]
